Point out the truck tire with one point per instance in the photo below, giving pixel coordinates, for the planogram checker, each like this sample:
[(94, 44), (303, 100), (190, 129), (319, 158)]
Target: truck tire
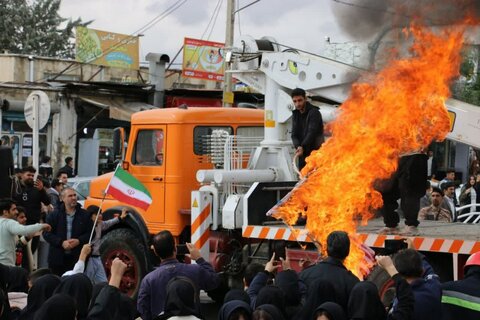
[(384, 283), (124, 244)]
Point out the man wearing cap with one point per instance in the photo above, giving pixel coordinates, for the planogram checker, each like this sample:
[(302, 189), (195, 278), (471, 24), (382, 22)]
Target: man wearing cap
[(461, 299)]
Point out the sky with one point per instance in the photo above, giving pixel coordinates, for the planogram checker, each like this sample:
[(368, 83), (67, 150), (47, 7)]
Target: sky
[(303, 24)]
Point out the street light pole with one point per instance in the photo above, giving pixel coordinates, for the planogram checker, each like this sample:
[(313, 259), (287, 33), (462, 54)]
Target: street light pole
[(228, 97)]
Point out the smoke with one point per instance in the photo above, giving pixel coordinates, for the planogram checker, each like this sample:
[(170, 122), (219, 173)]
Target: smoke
[(365, 18)]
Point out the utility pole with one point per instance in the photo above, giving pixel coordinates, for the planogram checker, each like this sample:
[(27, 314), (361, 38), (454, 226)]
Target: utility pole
[(227, 82)]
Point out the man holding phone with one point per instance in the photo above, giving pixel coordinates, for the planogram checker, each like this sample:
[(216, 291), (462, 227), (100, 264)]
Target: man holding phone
[(152, 294), (31, 194), (423, 281)]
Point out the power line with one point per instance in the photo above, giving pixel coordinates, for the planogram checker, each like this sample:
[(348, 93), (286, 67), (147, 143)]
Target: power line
[(238, 18), (145, 28), (213, 18)]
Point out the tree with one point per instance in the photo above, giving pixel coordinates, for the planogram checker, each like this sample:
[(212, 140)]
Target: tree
[(35, 27), (468, 89)]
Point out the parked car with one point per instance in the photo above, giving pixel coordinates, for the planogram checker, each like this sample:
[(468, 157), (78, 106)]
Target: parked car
[(82, 186)]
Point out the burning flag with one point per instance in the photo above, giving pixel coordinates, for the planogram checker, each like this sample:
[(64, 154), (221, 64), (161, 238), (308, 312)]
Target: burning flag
[(396, 111)]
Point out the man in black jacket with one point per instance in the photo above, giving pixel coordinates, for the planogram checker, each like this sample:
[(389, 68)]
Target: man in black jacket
[(68, 168), (461, 299), (6, 171), (307, 126), (30, 195), (71, 227), (332, 268)]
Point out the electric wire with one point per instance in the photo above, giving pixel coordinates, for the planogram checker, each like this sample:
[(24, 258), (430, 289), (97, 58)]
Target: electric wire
[(211, 22)]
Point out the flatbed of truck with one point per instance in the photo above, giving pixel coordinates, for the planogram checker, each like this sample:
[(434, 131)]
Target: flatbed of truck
[(436, 236), (432, 229), (433, 236)]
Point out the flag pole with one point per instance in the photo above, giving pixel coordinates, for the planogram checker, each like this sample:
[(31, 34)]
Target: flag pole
[(96, 218), (100, 207)]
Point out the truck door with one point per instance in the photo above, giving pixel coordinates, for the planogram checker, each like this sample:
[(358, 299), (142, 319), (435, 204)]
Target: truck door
[(148, 166)]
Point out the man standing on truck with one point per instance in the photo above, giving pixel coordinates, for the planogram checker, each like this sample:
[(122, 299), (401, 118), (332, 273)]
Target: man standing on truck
[(307, 126), (152, 294), (408, 184)]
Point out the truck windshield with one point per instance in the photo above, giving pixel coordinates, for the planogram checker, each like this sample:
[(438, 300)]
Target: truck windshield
[(148, 150)]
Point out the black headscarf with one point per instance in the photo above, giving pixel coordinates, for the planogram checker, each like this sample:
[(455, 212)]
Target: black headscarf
[(234, 305), (5, 305), (318, 292), (334, 311), (183, 298), (79, 287), (272, 310), (95, 292), (17, 279), (288, 281), (58, 307), (271, 295), (40, 292), (364, 302), (127, 310), (236, 294)]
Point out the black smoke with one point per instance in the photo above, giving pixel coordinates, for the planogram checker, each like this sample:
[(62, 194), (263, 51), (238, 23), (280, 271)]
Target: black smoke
[(365, 18)]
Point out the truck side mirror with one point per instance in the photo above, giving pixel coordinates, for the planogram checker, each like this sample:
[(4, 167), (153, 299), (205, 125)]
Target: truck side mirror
[(119, 144)]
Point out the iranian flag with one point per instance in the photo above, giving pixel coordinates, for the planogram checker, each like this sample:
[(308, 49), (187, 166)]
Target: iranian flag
[(126, 188)]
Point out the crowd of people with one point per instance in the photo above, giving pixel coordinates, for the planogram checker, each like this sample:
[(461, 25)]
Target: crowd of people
[(440, 203), (326, 290), (74, 284)]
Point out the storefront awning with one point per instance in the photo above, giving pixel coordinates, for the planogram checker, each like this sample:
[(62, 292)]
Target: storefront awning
[(118, 110), (127, 109)]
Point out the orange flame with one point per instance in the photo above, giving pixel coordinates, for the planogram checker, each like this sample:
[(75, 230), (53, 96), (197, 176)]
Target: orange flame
[(398, 110)]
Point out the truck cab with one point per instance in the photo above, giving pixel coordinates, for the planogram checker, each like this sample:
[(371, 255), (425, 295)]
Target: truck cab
[(166, 148)]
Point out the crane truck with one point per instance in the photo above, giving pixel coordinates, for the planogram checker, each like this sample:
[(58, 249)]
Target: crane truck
[(214, 173)]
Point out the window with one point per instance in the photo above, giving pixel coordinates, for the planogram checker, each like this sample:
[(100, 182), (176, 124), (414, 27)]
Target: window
[(83, 190), (250, 131), (149, 148), (206, 138)]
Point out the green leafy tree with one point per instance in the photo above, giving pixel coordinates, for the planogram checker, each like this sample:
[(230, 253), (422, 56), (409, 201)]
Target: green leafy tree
[(468, 90), (35, 27)]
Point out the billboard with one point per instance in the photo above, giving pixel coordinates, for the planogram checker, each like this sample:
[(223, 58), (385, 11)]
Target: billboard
[(202, 59), (107, 48)]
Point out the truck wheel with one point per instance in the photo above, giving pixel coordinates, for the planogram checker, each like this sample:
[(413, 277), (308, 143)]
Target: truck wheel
[(123, 243), (384, 283)]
